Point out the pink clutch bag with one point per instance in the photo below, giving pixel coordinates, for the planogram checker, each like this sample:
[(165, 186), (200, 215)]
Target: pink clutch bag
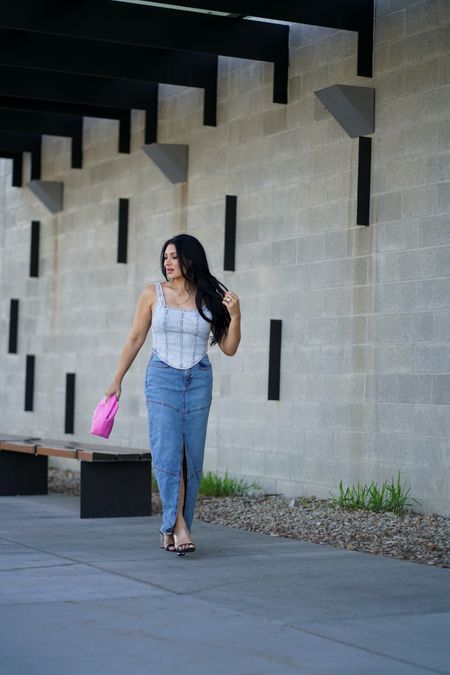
[(103, 417)]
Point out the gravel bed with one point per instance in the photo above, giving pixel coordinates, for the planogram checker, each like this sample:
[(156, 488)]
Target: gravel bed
[(64, 482), (420, 538)]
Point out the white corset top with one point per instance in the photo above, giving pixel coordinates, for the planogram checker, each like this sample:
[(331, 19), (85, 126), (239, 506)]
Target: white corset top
[(180, 336)]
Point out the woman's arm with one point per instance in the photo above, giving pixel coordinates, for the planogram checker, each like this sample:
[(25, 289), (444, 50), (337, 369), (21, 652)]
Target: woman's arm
[(230, 342), (135, 340)]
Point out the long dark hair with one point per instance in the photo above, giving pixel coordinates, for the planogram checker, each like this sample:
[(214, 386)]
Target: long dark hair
[(194, 268)]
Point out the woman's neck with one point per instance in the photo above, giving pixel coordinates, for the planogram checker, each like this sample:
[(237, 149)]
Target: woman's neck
[(181, 286)]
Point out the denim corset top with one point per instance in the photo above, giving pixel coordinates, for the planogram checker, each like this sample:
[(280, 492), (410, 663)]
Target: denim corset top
[(180, 336)]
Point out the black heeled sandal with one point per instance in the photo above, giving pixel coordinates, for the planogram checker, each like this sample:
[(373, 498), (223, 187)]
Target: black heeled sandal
[(169, 547), (182, 549)]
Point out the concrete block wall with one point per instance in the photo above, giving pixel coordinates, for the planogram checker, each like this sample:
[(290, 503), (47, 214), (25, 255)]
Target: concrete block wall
[(365, 364)]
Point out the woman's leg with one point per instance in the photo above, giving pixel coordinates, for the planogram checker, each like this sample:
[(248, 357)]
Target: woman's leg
[(198, 401), (164, 401), (181, 530)]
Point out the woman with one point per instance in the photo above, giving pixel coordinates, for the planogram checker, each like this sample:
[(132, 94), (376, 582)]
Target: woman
[(191, 306)]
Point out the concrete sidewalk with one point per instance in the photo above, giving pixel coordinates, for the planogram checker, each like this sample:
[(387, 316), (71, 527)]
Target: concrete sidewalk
[(99, 596)]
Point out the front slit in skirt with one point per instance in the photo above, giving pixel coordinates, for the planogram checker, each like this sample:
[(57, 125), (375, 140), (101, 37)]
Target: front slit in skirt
[(178, 403)]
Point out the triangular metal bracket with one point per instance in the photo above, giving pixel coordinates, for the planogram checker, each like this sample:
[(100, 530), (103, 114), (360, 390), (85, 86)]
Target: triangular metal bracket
[(171, 158), (50, 193), (353, 107)]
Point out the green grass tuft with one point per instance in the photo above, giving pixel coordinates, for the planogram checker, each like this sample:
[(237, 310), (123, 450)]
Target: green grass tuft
[(213, 485), (391, 496)]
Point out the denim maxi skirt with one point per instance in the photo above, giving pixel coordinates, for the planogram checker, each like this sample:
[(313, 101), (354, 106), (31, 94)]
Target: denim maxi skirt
[(178, 403)]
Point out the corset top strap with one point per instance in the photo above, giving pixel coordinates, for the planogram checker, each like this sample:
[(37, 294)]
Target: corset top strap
[(160, 294)]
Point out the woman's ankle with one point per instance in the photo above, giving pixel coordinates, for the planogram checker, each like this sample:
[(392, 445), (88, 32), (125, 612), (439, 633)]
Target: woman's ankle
[(180, 527)]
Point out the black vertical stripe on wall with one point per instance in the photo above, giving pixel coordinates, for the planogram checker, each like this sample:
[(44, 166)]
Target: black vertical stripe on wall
[(17, 170), (29, 382), (125, 131), (274, 360), (34, 248), (36, 160), (77, 149), (364, 162), (230, 233), (151, 125), (70, 403), (13, 325), (122, 238)]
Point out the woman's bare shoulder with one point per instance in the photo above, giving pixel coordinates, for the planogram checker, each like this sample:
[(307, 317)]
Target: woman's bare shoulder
[(150, 294)]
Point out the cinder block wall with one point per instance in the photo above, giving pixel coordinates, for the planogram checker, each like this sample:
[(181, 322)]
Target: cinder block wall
[(365, 367)]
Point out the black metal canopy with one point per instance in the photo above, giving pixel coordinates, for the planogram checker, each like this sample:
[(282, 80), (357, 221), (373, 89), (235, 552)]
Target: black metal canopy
[(11, 141), (64, 93), (62, 60), (117, 24), (31, 122), (123, 116), (354, 15)]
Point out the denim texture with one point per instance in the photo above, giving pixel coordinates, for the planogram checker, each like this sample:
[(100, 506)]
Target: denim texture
[(179, 336), (178, 403)]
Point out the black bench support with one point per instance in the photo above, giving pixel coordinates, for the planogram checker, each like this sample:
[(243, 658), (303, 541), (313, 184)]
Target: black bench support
[(115, 489), (22, 474)]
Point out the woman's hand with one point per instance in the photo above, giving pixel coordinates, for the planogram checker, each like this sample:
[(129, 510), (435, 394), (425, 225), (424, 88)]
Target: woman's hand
[(231, 302), (230, 341), (115, 389)]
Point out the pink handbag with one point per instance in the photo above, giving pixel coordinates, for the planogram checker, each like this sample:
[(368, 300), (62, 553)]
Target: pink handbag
[(103, 417)]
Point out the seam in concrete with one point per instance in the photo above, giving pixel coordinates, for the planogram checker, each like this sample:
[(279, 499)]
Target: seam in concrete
[(370, 651)]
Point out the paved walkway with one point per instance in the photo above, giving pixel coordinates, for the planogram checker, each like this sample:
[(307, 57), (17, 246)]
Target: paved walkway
[(100, 597)]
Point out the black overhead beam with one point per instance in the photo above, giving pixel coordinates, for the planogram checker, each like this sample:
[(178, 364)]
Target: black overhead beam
[(28, 121), (12, 141), (346, 14), (17, 165), (54, 88), (123, 116), (108, 60), (80, 89), (125, 23), (355, 15)]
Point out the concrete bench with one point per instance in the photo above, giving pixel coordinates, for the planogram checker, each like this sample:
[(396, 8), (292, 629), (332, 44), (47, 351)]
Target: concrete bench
[(114, 481)]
